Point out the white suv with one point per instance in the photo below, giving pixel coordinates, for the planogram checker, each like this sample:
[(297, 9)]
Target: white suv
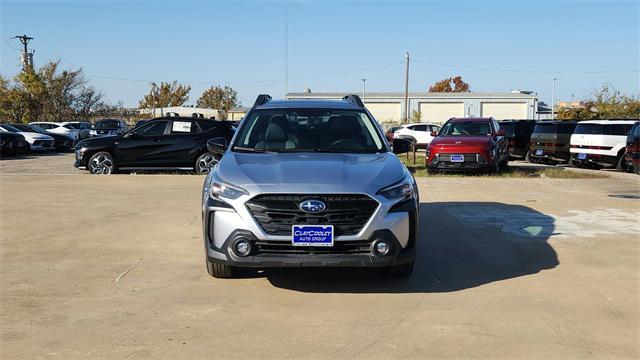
[(420, 133), (64, 128), (600, 142)]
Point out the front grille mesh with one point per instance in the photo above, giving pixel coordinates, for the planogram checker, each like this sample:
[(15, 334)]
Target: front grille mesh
[(358, 247), (276, 213)]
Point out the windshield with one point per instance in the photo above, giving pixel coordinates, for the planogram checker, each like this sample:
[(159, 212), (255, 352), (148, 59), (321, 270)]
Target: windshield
[(10, 128), (104, 124), (588, 129), (37, 128), (309, 130), (22, 127), (545, 129), (466, 128)]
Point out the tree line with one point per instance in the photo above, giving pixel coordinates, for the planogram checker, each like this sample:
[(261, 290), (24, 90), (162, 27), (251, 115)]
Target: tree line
[(51, 93), (54, 94)]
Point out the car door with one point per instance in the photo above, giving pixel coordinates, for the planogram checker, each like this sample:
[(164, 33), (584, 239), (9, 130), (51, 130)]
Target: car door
[(142, 147), (501, 142), (181, 142)]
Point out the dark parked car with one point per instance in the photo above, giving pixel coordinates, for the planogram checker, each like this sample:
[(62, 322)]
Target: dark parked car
[(12, 144), (632, 155), (109, 127), (518, 133), (550, 141), (162, 143), (62, 142), (468, 144)]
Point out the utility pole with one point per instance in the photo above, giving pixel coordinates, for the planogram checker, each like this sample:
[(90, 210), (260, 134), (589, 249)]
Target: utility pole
[(363, 88), (286, 53), (406, 89), (553, 99), (27, 57)]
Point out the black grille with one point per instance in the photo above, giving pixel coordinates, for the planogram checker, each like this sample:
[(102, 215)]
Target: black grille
[(358, 247), (276, 213)]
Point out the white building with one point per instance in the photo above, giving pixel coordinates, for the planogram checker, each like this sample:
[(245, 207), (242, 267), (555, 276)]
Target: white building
[(187, 111), (439, 107)]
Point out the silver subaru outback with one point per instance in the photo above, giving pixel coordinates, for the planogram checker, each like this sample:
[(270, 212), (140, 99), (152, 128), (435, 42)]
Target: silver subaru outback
[(309, 183)]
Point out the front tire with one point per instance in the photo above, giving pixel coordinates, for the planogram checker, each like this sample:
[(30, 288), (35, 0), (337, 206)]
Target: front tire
[(621, 164), (205, 163), (220, 271), (102, 163)]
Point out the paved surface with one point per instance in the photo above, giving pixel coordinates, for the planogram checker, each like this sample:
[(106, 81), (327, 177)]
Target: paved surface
[(112, 267)]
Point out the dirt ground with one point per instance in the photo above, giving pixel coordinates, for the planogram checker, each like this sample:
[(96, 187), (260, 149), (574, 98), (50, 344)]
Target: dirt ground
[(113, 267)]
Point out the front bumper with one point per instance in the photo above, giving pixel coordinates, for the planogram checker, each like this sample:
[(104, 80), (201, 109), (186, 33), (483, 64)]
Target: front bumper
[(397, 224), (472, 162)]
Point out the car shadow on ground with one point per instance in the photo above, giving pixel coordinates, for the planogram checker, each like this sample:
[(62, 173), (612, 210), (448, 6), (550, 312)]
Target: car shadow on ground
[(462, 245), (33, 155)]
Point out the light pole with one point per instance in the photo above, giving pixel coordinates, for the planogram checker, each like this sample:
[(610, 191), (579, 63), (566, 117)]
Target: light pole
[(553, 99), (364, 88), (406, 89)]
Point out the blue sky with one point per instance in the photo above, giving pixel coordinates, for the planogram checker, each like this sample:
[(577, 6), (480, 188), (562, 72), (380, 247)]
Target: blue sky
[(495, 46)]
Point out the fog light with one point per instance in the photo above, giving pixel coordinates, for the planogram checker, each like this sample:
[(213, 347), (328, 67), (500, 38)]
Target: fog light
[(242, 247), (381, 247)]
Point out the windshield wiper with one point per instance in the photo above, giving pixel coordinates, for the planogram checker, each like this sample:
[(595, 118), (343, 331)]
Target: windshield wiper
[(253, 150)]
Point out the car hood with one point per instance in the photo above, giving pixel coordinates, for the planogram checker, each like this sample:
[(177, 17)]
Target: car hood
[(460, 141), (97, 141), (34, 135), (310, 172)]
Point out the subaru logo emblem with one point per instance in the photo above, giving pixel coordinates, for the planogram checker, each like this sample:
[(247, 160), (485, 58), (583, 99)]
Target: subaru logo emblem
[(312, 206)]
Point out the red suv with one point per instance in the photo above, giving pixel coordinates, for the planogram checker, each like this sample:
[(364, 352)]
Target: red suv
[(468, 144)]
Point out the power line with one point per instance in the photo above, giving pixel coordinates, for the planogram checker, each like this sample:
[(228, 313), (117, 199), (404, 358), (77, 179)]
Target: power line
[(524, 70), (252, 81)]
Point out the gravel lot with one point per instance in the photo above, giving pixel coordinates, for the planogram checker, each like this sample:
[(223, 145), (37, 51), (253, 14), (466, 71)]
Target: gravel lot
[(112, 267)]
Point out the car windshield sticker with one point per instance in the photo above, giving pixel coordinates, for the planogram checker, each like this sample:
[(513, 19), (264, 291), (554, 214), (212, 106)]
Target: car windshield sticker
[(181, 126)]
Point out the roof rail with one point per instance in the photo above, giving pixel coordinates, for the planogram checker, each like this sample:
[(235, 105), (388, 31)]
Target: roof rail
[(354, 99), (262, 99)]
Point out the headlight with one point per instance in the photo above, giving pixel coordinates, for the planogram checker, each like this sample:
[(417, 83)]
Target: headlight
[(218, 190), (403, 190)]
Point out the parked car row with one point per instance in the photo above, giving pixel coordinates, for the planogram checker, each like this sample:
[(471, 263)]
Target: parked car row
[(36, 141), (592, 143)]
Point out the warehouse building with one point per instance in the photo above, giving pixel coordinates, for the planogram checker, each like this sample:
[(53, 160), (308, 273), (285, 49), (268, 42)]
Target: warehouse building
[(439, 107)]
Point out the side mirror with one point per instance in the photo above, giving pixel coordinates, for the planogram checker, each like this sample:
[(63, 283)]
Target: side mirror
[(434, 133), (131, 135), (217, 145), (501, 133), (401, 146)]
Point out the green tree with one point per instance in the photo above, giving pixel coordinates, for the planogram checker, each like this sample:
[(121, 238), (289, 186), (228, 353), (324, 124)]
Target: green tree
[(218, 98), (452, 84), (165, 94), (604, 103), (47, 94)]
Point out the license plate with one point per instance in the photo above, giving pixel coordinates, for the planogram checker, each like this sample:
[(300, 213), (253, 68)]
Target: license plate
[(582, 156), (539, 152), (457, 158), (312, 235)]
